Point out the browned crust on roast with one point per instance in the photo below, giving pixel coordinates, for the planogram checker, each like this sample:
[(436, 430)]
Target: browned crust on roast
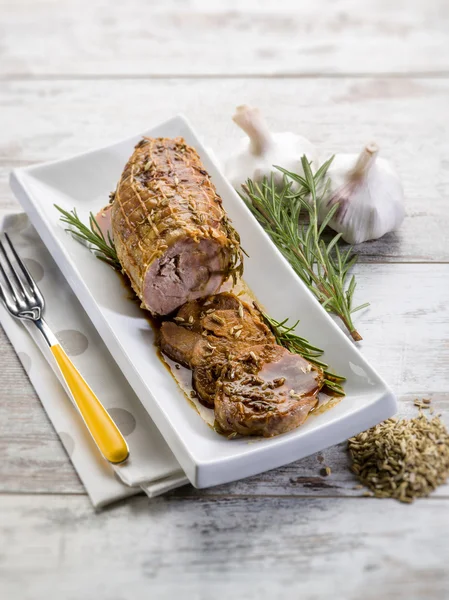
[(196, 309), (209, 359), (164, 195), (221, 315), (226, 324)]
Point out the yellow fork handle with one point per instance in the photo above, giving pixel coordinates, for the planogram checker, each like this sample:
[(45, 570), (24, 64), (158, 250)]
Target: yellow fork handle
[(102, 428)]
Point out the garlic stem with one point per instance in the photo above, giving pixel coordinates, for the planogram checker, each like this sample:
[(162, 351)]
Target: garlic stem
[(253, 124), (366, 158)]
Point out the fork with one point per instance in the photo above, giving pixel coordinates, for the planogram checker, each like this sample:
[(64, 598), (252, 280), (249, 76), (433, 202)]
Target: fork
[(24, 300)]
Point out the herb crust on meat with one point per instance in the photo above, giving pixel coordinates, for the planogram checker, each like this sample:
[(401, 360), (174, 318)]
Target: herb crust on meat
[(172, 235)]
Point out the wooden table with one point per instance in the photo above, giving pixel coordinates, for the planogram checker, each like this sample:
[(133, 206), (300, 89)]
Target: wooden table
[(76, 75)]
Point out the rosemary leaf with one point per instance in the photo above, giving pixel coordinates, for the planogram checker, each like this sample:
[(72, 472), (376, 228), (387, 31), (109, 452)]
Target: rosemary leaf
[(334, 387), (360, 307)]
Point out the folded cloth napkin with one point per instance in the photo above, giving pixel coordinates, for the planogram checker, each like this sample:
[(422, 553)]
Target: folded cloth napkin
[(151, 466)]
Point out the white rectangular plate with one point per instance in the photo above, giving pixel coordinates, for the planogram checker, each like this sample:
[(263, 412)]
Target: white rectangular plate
[(84, 182)]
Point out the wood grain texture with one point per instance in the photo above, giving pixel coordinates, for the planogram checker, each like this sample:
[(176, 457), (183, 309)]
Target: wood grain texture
[(237, 37), (255, 548), (409, 313), (407, 117)]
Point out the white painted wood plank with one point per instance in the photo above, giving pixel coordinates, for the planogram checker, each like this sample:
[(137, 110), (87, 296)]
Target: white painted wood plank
[(406, 328), (236, 37), (49, 120), (256, 549), (405, 337)]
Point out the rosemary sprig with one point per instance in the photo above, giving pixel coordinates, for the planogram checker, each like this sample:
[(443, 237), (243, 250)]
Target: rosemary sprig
[(321, 265), (286, 337), (91, 234)]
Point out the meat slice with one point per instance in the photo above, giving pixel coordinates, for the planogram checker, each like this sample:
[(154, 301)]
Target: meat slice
[(206, 333), (208, 362), (221, 346), (266, 393), (227, 326), (223, 315), (255, 386), (195, 310), (209, 367), (172, 236), (178, 343)]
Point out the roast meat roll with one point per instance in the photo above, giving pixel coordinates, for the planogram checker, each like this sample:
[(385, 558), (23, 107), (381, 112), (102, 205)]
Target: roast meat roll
[(172, 235)]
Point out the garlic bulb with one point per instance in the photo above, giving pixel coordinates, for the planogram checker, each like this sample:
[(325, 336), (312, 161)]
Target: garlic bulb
[(369, 194), (254, 158)]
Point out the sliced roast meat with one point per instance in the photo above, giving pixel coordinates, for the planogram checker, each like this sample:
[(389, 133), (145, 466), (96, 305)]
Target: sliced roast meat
[(228, 336), (224, 315), (266, 392), (178, 343), (228, 324), (208, 362), (171, 233), (211, 366), (255, 386), (195, 310)]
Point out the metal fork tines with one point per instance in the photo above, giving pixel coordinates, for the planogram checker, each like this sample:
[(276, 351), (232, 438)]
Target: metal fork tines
[(18, 290)]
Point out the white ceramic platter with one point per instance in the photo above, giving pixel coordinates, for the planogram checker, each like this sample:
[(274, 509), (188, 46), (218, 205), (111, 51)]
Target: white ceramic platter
[(84, 182)]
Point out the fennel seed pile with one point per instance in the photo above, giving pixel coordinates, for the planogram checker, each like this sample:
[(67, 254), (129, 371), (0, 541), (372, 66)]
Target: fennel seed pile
[(402, 458)]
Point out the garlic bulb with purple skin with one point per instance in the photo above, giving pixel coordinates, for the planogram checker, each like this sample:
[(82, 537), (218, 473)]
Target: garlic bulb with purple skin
[(255, 157), (369, 194)]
